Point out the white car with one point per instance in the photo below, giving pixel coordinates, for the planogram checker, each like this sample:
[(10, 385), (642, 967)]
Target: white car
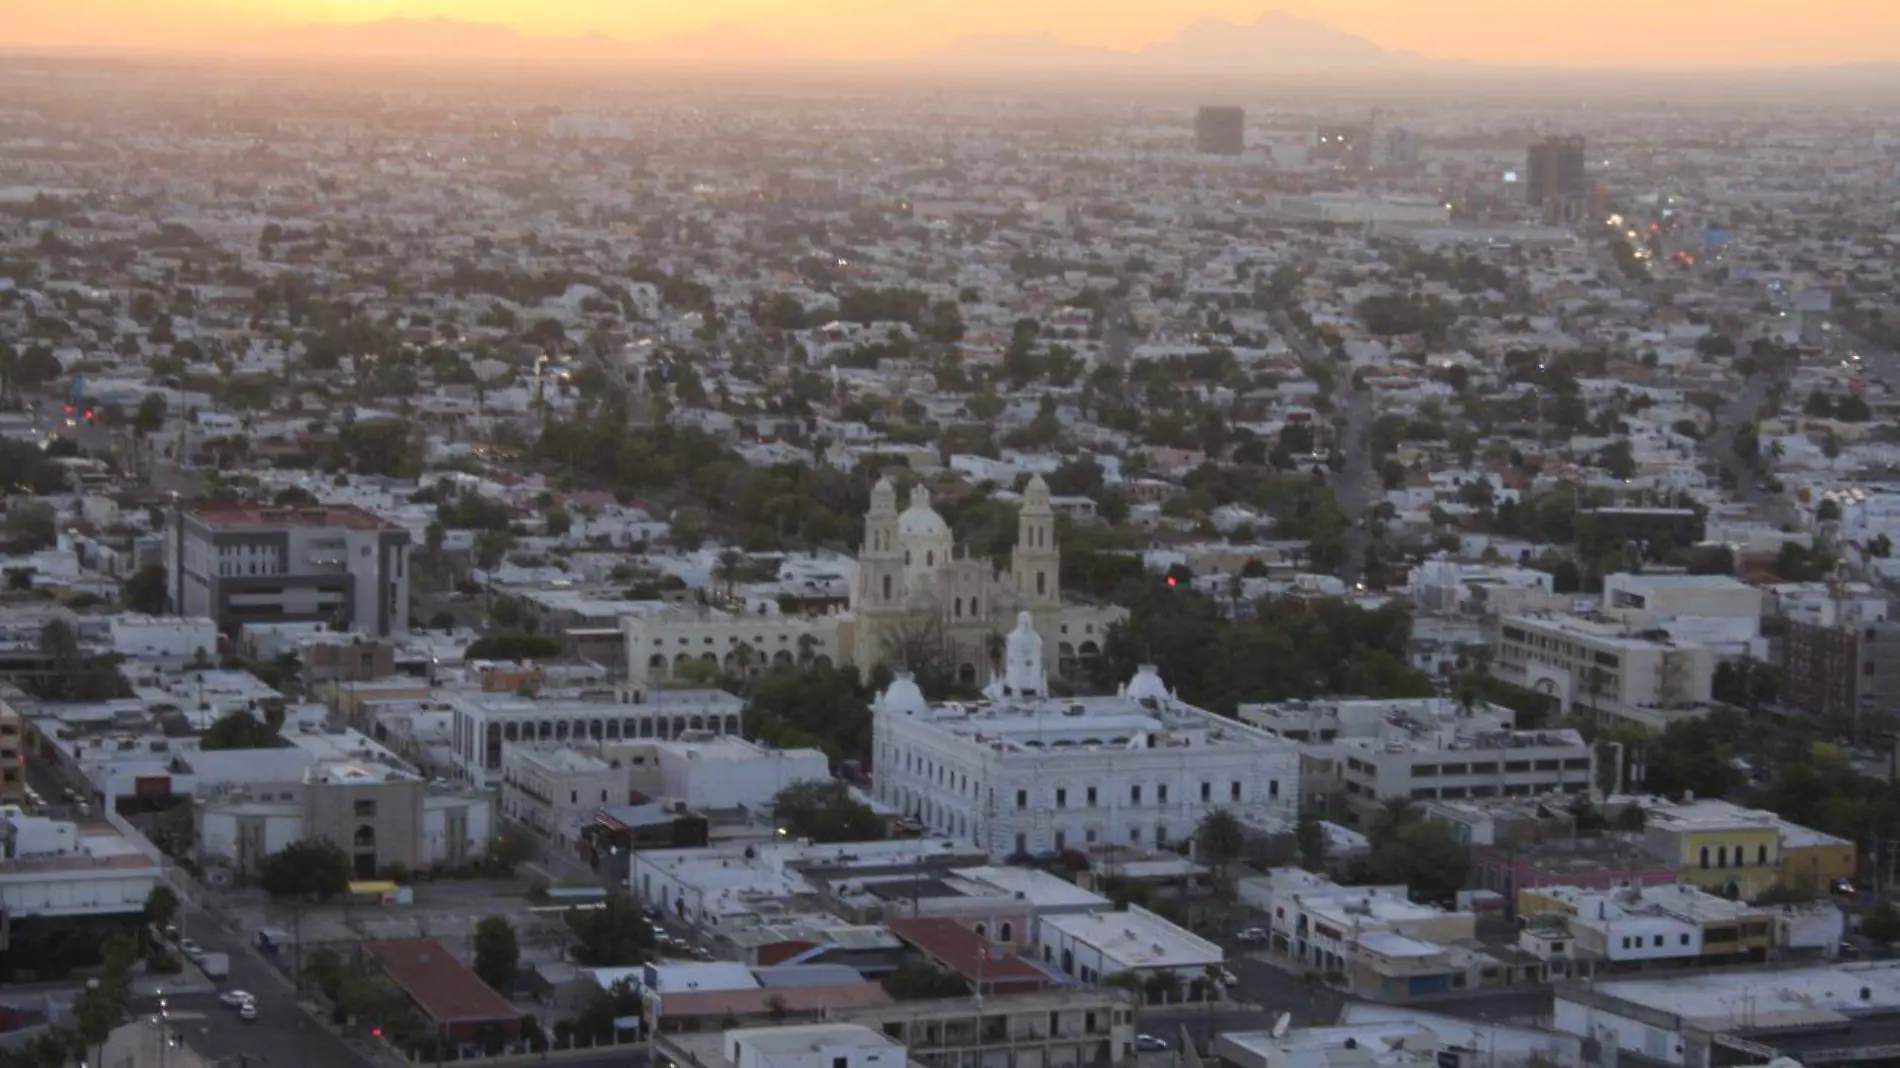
[(236, 999), (1253, 936), (1229, 980), (192, 950), (247, 1011), (1150, 1044)]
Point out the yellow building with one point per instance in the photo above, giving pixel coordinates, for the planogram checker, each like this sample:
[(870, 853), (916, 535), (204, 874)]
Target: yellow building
[(1811, 861), (1721, 847)]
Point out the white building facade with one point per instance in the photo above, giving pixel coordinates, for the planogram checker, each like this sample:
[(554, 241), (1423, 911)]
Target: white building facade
[(1025, 773)]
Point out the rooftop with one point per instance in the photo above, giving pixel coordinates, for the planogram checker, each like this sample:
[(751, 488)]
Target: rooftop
[(1137, 938), (266, 517), (441, 986), (1756, 1000), (972, 956)]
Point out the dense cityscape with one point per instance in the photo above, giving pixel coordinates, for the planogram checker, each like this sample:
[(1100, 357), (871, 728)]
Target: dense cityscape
[(605, 572)]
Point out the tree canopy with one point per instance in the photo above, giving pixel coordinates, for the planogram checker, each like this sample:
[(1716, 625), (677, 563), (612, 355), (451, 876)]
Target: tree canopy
[(825, 811), (308, 869)]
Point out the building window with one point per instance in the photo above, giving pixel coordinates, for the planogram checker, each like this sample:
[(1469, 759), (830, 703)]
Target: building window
[(1091, 796), (1273, 789), (1233, 790), (1705, 856), (1658, 941), (1022, 800), (1062, 798), (1161, 794), (1134, 794), (1761, 855), (364, 809)]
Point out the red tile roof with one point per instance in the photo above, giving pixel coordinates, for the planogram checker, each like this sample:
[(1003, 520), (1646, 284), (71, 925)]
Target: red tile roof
[(441, 986), (962, 950)]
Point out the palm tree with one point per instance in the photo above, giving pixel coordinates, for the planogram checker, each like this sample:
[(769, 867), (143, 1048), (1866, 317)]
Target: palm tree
[(1393, 815), (728, 568)]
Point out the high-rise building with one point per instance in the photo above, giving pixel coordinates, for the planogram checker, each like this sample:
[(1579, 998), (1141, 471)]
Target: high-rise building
[(1220, 131), (248, 563), (1553, 170)]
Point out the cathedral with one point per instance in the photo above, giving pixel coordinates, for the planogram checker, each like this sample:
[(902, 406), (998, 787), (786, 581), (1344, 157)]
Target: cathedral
[(914, 583)]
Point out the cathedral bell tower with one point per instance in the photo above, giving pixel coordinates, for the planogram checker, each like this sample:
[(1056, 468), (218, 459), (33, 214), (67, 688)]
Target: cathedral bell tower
[(877, 597), (1036, 564)]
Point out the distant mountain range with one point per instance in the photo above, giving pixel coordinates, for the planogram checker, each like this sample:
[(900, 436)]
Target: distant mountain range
[(454, 39), (1276, 41)]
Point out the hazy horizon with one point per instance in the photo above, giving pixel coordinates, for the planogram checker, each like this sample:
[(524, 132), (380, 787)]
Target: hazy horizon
[(1566, 33)]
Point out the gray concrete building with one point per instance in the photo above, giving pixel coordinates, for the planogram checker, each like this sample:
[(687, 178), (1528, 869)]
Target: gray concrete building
[(250, 563)]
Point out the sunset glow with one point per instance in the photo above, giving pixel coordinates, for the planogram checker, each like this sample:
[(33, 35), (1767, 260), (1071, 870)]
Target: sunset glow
[(1697, 33)]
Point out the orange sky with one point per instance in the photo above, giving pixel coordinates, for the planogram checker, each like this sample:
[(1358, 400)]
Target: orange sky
[(1572, 32)]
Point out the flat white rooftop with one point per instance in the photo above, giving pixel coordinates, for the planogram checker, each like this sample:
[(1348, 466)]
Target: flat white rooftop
[(1138, 939), (1765, 999)]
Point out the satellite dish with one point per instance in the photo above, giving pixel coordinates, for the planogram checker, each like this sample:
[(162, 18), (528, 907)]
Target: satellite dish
[(1280, 1025)]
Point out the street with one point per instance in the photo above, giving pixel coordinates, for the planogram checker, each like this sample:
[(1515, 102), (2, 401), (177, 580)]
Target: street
[(283, 1035), (1351, 485)]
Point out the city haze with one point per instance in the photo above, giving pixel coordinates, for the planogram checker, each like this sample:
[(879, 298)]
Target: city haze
[(1351, 33)]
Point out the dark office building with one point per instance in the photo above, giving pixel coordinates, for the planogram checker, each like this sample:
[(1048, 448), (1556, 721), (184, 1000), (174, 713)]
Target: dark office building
[(1553, 171), (1220, 131)]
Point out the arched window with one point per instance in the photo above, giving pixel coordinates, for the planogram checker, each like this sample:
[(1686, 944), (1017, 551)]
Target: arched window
[(1005, 932)]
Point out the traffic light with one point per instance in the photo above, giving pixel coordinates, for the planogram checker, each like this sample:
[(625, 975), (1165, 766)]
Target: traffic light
[(375, 1032), (69, 409), (89, 415), (1171, 582)]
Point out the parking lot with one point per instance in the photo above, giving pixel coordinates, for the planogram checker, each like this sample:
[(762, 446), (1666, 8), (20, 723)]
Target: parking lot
[(446, 911)]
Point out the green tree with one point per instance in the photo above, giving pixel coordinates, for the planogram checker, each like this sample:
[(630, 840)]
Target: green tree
[(150, 417), (161, 905), (497, 953), (1881, 923), (825, 811), (613, 936), (242, 729), (308, 869), (823, 706), (1219, 841), (102, 1005), (1310, 835), (509, 851), (922, 981), (146, 591), (512, 645), (1422, 855)]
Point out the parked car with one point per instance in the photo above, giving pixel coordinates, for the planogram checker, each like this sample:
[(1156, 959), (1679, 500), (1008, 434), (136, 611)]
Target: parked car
[(1150, 1044), (192, 950), (1253, 936), (1229, 979), (247, 1011), (235, 999)]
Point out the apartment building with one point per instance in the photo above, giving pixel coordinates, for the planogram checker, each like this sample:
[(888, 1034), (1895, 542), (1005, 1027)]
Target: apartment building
[(249, 563), (382, 816), (1068, 1028), (1613, 670), (1840, 657), (12, 756), (1023, 773), (482, 725), (555, 790), (1675, 925), (1358, 754)]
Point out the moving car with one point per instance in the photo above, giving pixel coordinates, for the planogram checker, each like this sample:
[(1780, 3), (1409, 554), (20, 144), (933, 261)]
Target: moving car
[(1253, 936), (1150, 1044), (192, 950), (236, 999), (247, 1011)]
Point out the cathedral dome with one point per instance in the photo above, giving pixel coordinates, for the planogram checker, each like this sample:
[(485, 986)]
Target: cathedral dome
[(1147, 685), (920, 520), (903, 696)]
